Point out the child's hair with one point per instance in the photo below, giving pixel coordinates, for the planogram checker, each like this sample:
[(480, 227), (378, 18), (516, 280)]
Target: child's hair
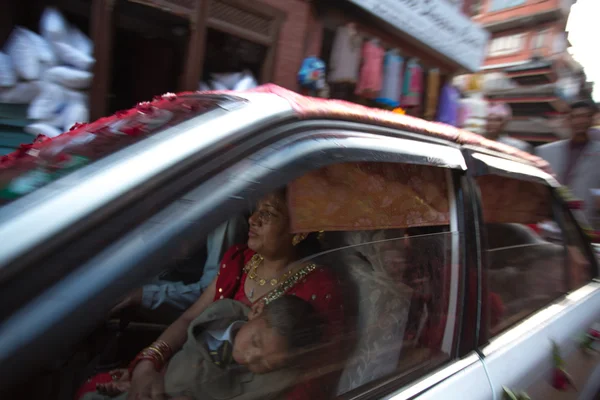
[(294, 319)]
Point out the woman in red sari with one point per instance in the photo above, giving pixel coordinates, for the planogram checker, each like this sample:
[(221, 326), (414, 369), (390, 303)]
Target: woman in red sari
[(261, 271)]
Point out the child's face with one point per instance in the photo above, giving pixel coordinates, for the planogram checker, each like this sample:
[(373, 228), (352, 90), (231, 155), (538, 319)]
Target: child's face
[(259, 348)]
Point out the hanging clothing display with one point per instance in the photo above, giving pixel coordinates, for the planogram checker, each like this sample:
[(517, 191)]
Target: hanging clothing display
[(433, 87), (475, 109), (449, 104), (371, 73), (344, 63), (311, 76), (413, 84), (392, 79)]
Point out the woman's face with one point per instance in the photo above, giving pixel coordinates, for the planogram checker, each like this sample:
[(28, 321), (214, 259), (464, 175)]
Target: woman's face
[(269, 233)]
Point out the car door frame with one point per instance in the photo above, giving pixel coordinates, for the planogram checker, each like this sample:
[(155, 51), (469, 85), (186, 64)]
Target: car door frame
[(515, 357), (116, 269)]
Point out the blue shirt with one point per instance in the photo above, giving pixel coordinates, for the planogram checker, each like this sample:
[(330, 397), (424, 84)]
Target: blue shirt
[(182, 296)]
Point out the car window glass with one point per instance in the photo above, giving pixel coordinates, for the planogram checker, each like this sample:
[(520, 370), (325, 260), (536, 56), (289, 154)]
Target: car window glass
[(531, 261), (580, 267), (34, 165), (376, 259), (383, 253)]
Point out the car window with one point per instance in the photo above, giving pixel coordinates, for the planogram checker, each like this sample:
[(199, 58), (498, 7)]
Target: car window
[(46, 159), (381, 243), (580, 267), (377, 261), (531, 259)]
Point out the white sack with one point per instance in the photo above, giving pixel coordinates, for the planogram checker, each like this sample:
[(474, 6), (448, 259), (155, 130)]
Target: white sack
[(80, 41), (218, 85), (44, 129), (74, 113), (69, 77), (24, 54), (8, 77), (44, 50), (203, 87), (53, 25), (47, 103), (229, 80), (22, 93), (77, 96), (70, 56), (246, 83)]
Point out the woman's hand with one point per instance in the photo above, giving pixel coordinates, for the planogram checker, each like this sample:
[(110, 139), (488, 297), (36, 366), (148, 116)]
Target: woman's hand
[(146, 383), (134, 299), (120, 383)]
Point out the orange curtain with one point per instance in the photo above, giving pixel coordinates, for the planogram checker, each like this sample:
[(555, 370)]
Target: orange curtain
[(368, 196), (507, 200)]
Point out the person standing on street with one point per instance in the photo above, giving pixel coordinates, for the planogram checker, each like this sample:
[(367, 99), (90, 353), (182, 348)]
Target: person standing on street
[(576, 161), (499, 114)]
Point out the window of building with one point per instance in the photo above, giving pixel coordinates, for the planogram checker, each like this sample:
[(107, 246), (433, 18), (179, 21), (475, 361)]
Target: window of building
[(559, 43), (498, 5), (476, 7), (506, 45), (540, 39), (531, 260)]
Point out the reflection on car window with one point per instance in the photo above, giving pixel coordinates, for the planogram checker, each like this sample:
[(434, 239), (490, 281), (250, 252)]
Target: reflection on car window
[(530, 258), (396, 295), (379, 278), (45, 160), (579, 266)]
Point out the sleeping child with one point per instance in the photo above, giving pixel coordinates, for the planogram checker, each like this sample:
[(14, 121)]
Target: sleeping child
[(233, 352)]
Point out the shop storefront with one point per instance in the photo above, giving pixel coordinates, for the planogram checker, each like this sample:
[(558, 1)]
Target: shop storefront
[(140, 48), (398, 53), (216, 36)]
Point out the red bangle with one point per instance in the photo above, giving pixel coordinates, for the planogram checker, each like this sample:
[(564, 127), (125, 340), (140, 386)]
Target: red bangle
[(140, 357), (158, 353)]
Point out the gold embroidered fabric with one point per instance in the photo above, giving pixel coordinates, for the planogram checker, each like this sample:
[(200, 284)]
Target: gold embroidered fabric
[(289, 283), (506, 200), (367, 196)]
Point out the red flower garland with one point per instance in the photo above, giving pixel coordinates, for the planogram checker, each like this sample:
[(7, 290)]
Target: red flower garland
[(561, 380)]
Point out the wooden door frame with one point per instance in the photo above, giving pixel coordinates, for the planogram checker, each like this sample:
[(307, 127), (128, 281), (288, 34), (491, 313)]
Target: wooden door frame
[(102, 34)]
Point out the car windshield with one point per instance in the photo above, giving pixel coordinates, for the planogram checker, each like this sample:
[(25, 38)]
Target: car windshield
[(35, 165)]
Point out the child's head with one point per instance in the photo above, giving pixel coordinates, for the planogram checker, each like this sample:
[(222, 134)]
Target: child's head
[(275, 332)]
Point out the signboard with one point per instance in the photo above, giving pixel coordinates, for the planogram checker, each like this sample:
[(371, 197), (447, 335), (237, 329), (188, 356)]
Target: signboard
[(436, 24), (182, 8)]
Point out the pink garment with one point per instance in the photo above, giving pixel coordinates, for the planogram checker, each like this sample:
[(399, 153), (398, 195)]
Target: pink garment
[(412, 96), (371, 73)]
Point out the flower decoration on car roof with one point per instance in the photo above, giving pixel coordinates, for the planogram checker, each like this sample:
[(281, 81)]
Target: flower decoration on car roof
[(510, 395), (591, 340), (561, 380), (35, 164)]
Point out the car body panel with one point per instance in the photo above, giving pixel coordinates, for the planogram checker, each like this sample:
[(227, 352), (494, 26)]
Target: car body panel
[(521, 358), (292, 135)]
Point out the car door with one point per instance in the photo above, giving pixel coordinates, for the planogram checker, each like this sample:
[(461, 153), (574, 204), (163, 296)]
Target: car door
[(540, 278), (68, 308)]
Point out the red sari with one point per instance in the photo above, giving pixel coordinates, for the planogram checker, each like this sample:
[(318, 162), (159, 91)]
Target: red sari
[(315, 284)]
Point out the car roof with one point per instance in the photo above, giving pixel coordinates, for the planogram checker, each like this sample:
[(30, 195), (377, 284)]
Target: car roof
[(305, 108), (144, 120), (310, 108)]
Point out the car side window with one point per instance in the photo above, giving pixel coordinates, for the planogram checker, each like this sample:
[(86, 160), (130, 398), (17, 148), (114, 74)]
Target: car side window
[(380, 262), (531, 261), (580, 267), (375, 249), (386, 235)]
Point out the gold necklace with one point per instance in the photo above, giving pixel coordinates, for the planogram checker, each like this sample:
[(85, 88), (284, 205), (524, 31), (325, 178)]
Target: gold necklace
[(251, 269)]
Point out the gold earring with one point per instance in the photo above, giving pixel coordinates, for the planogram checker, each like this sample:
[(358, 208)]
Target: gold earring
[(299, 237)]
